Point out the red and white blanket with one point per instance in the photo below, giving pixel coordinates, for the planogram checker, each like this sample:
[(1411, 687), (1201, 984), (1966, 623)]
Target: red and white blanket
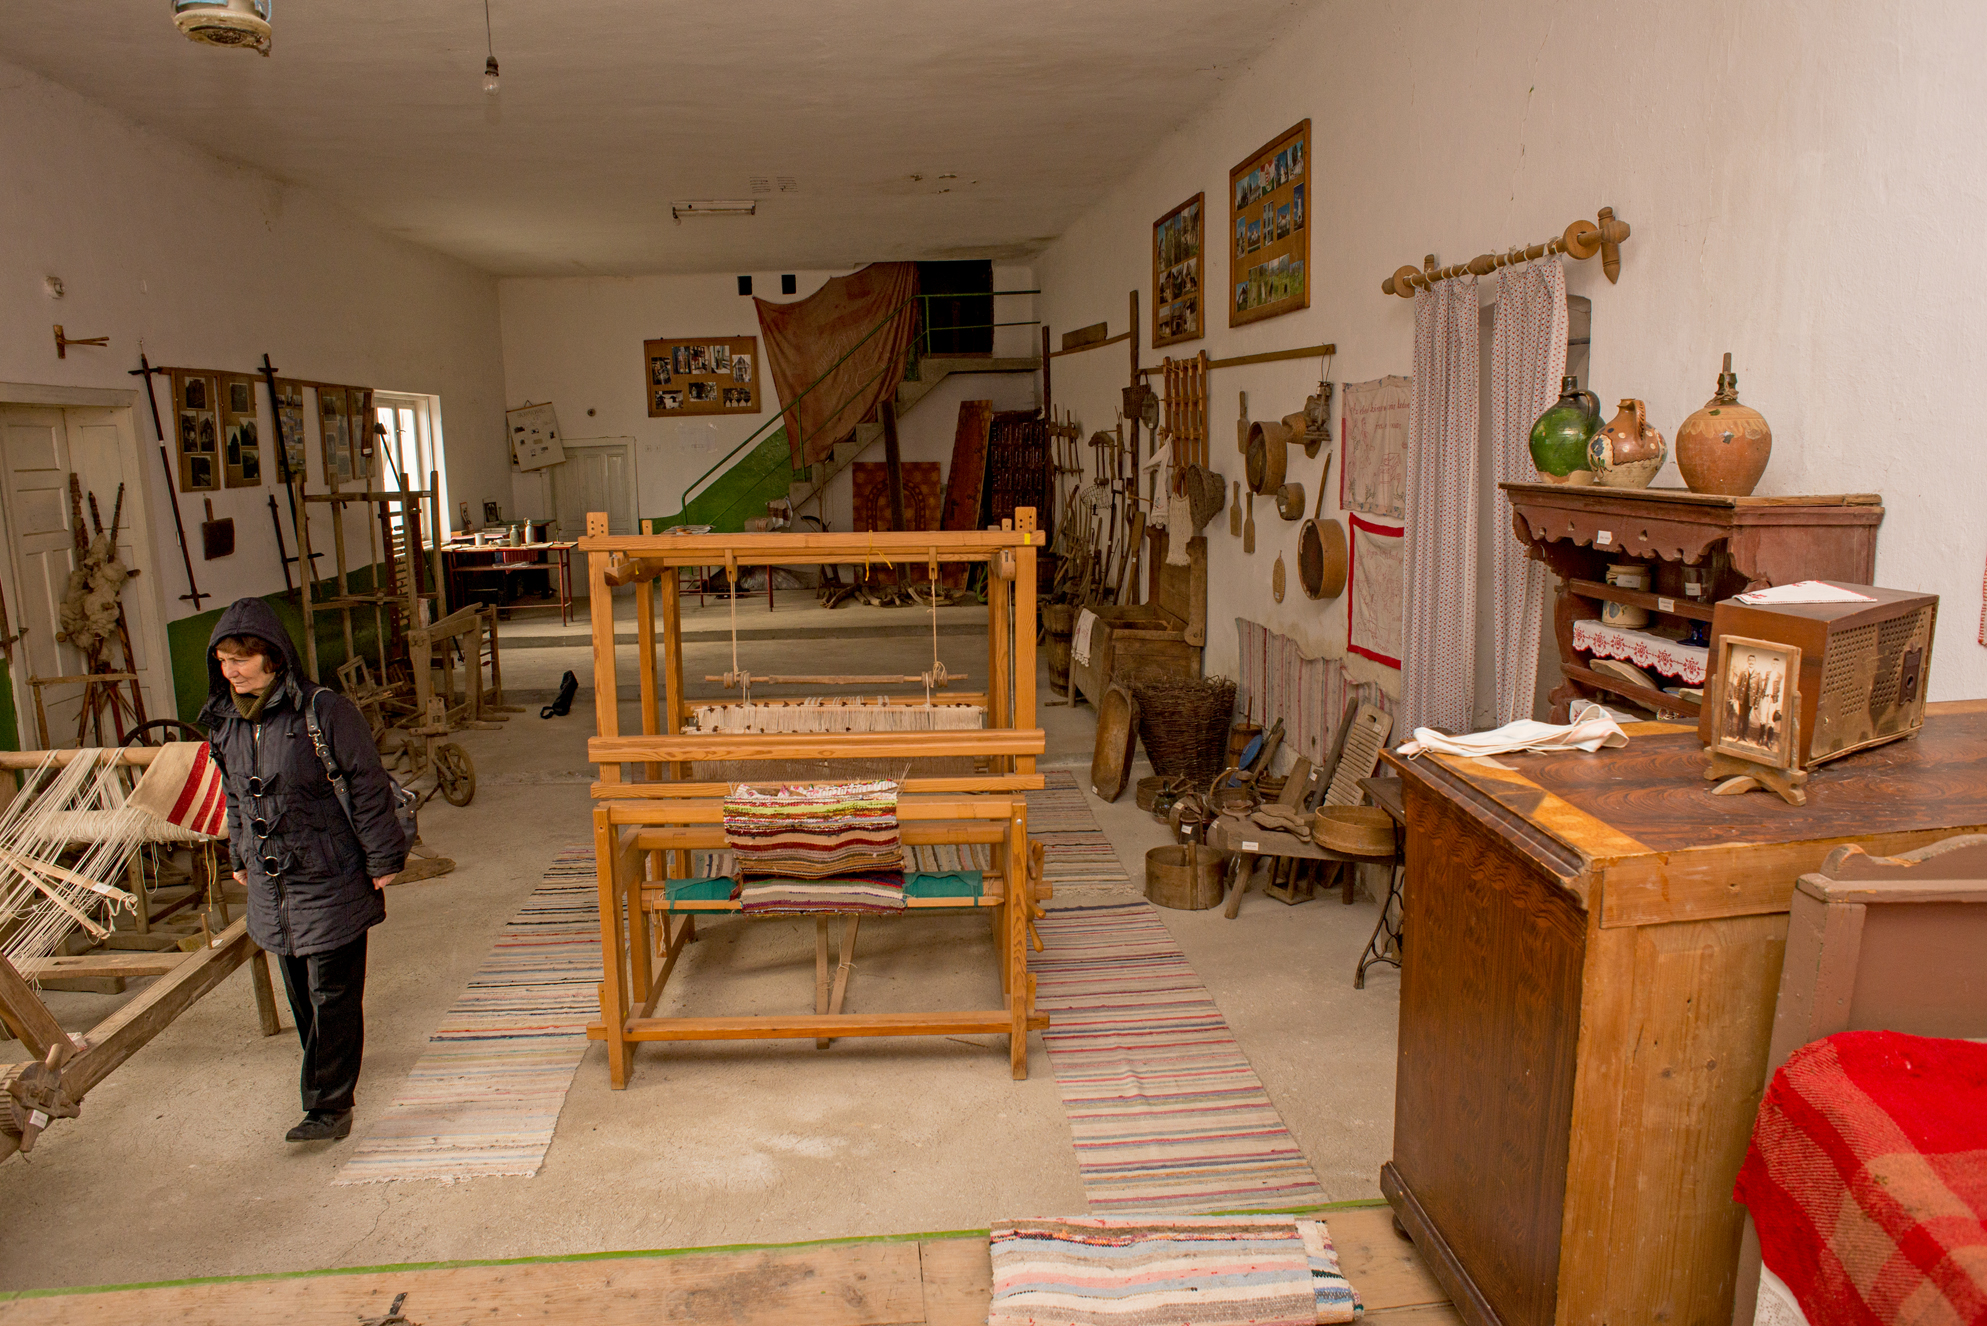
[(1867, 1179)]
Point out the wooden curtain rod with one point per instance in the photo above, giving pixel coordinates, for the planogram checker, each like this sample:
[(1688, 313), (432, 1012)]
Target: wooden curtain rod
[(1581, 239), (1264, 357)]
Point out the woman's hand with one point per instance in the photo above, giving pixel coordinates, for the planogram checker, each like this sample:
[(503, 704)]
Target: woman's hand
[(241, 878), (381, 881)]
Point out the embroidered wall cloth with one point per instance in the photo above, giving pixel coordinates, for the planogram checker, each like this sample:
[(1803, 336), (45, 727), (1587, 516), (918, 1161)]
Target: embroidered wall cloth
[(1373, 476), (1375, 601), (1438, 658), (869, 316), (1528, 357)]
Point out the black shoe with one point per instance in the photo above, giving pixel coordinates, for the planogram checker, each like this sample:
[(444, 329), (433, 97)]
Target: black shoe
[(321, 1126)]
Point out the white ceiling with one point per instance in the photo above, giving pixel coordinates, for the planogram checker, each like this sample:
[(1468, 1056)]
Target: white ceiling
[(611, 109)]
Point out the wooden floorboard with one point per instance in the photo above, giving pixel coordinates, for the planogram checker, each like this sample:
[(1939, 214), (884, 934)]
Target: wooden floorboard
[(936, 1282)]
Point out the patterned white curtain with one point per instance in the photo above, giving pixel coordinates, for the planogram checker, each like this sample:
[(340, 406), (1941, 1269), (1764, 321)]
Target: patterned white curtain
[(1438, 659), (1527, 359)]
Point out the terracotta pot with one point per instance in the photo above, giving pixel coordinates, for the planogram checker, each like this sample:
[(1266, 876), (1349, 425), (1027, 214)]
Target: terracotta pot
[(1723, 448), (1628, 452)]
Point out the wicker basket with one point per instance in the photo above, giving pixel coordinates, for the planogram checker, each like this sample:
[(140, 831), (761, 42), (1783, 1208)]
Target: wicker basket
[(1183, 722)]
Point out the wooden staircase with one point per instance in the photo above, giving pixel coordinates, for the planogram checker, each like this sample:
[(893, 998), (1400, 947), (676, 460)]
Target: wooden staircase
[(931, 370)]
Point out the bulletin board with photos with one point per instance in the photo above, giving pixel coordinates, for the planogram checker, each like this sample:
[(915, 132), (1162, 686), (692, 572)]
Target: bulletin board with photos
[(241, 443), (195, 395), (1270, 199), (705, 375), (1177, 271), (344, 431)]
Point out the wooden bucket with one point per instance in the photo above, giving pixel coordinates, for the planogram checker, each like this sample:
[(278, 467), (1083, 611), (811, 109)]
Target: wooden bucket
[(1059, 620), (1188, 877), (1239, 737)]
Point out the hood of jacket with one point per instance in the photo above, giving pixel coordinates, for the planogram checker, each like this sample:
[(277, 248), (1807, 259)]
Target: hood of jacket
[(251, 616)]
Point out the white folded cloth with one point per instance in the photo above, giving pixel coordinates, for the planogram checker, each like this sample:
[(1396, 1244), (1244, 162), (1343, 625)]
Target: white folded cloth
[(1592, 728), (1079, 644)]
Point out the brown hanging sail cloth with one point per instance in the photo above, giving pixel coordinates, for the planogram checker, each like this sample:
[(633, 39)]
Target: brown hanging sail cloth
[(805, 337)]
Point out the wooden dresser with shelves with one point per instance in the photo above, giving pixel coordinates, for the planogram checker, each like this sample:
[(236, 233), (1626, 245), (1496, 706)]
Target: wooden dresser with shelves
[(1741, 542)]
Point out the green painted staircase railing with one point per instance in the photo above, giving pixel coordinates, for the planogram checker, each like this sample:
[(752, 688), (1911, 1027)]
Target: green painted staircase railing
[(763, 475)]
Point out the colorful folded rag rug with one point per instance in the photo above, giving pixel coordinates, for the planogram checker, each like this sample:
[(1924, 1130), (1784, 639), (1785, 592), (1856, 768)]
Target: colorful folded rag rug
[(877, 891), (814, 831), (1189, 1271), (1867, 1178)]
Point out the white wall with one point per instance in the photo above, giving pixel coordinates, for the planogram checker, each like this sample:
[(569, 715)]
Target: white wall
[(1796, 177), (209, 266), (577, 342)]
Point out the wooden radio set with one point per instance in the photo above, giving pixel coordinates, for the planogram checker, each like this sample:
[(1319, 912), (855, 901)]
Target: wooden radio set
[(1791, 685)]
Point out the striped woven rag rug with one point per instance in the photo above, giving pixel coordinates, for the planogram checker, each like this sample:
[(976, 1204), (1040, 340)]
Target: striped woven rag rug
[(1167, 1114), (876, 892), (817, 831), (1078, 852), (1232, 1271), (486, 1096)]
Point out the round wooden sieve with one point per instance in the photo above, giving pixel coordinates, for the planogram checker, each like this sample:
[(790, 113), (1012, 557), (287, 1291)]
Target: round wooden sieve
[(1321, 549)]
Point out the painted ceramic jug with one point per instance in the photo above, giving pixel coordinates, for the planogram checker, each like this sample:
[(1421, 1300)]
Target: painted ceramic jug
[(1559, 438), (1723, 448), (1628, 452)]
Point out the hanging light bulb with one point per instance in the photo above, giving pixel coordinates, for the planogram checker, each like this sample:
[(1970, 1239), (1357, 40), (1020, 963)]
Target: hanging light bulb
[(490, 76)]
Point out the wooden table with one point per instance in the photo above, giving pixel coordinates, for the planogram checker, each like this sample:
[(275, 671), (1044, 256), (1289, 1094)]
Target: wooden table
[(556, 559), (1588, 997), (1250, 842)]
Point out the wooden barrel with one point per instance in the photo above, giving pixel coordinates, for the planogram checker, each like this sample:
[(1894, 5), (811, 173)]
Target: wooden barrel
[(1239, 738), (1187, 878), (1059, 619)]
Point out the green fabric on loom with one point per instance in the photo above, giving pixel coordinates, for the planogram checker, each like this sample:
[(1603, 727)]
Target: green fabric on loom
[(955, 884)]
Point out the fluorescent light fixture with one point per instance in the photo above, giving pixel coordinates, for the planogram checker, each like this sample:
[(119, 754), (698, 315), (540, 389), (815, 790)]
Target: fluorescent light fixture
[(715, 207)]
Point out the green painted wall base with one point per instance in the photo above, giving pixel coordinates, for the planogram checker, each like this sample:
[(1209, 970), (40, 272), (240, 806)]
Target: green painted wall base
[(762, 475), (188, 638)]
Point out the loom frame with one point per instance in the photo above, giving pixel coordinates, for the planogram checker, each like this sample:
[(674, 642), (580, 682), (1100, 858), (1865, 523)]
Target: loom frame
[(645, 826)]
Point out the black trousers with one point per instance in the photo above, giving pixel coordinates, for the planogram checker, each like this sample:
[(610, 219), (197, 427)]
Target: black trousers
[(327, 997)]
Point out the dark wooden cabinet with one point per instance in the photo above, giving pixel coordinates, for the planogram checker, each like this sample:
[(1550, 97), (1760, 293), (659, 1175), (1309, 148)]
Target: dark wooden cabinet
[(1741, 543), (1592, 950)]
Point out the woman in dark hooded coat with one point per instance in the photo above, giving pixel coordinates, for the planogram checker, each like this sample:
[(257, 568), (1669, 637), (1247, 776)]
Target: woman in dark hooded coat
[(315, 875)]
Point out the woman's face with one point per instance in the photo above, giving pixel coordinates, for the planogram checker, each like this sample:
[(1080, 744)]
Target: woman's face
[(248, 673)]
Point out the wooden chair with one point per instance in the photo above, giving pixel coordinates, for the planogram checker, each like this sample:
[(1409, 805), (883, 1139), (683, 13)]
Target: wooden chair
[(1878, 944)]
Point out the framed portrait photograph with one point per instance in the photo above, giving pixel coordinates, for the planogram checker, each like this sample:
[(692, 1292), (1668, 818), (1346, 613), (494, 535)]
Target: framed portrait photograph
[(1756, 701), (1177, 270), (1267, 195)]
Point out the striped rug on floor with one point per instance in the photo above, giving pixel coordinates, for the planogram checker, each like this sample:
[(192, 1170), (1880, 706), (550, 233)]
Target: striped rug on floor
[(486, 1096), (1167, 1114), (1078, 852)]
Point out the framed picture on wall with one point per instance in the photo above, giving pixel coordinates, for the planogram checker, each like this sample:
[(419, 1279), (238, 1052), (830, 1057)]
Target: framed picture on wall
[(1177, 272), (334, 409), (290, 424), (241, 447), (1270, 201), (705, 375), (195, 398)]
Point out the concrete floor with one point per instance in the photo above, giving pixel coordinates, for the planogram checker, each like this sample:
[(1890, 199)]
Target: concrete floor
[(177, 1167)]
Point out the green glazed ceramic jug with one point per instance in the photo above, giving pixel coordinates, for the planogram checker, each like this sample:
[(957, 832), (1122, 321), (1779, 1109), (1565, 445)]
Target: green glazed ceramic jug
[(1559, 438)]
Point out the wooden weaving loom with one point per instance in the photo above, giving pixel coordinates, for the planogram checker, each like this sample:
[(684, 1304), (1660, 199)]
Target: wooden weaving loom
[(645, 827)]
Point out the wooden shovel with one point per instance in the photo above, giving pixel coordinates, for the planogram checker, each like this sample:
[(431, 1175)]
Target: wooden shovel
[(1235, 512), (1249, 527)]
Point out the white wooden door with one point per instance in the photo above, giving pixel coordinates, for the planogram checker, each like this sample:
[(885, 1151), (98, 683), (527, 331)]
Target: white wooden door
[(595, 476), (39, 447)]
